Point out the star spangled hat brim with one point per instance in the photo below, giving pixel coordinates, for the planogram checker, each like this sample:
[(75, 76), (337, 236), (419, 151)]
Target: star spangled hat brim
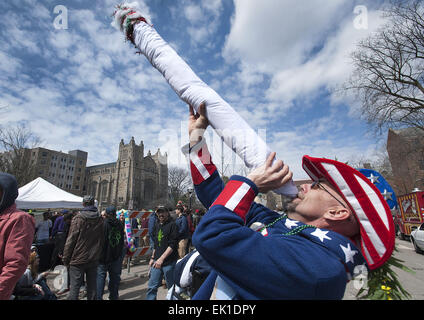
[(377, 235)]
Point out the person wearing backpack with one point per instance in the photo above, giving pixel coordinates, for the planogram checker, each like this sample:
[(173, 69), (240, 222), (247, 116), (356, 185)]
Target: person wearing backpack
[(83, 248), (183, 231), (165, 252), (111, 256), (190, 228)]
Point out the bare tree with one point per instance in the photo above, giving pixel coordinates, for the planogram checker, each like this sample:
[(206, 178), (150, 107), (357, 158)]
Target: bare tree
[(179, 181), (402, 178), (15, 155), (388, 69), (406, 152)]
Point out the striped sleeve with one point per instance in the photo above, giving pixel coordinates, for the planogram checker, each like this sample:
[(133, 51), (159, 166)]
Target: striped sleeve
[(201, 165), (237, 196)]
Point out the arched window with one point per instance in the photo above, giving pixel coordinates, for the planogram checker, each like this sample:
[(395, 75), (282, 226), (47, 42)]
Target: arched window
[(149, 190), (104, 191), (93, 189)]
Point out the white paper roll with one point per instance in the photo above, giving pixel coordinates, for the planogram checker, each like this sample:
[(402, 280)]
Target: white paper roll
[(228, 124)]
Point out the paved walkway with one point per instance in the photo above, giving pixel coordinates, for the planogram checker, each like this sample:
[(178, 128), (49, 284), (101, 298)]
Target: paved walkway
[(133, 284), (134, 281)]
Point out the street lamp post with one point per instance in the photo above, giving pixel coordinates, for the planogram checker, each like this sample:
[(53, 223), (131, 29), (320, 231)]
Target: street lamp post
[(190, 192)]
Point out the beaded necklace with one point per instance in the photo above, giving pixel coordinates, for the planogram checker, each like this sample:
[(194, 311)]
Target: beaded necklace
[(290, 233)]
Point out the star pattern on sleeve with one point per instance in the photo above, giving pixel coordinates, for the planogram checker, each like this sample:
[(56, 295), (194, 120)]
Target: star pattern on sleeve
[(349, 253), (291, 223), (320, 234)]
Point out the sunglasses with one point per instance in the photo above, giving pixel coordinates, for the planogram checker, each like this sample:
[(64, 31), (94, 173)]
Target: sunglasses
[(320, 186)]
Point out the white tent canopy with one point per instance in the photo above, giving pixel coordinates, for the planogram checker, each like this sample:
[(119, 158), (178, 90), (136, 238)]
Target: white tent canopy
[(41, 194)]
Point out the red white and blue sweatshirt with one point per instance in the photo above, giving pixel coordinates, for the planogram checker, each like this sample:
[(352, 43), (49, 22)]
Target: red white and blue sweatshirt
[(269, 263)]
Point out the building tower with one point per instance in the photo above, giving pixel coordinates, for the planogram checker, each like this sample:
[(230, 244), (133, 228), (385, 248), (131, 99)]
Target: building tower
[(129, 174), (134, 181)]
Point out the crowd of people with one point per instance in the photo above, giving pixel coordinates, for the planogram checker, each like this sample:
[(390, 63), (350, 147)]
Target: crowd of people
[(91, 245)]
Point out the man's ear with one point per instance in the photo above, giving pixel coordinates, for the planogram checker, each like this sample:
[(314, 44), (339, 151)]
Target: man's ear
[(337, 214)]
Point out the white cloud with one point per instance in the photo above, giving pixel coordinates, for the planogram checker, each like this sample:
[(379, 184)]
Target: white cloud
[(303, 46), (277, 34), (214, 6), (198, 35), (193, 13), (203, 18), (329, 68), (8, 64), (291, 146)]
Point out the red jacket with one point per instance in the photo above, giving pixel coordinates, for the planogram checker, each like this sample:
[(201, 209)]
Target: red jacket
[(16, 235)]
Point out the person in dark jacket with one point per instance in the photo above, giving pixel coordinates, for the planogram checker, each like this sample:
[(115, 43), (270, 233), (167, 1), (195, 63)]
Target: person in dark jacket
[(82, 249), (17, 230), (59, 223), (183, 233), (59, 238), (165, 254), (111, 256), (151, 225)]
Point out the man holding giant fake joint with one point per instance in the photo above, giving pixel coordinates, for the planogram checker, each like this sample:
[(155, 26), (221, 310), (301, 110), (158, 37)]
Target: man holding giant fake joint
[(332, 227), (336, 224)]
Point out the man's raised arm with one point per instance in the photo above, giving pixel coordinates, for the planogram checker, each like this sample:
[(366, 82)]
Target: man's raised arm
[(207, 182)]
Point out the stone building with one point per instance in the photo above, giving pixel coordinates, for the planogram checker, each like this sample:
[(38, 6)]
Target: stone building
[(406, 154), (64, 170), (134, 181)]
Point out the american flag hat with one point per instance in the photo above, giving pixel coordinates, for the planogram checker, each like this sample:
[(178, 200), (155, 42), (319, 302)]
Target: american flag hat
[(377, 231)]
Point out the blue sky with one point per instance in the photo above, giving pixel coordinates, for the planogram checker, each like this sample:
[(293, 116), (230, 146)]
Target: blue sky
[(277, 62)]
